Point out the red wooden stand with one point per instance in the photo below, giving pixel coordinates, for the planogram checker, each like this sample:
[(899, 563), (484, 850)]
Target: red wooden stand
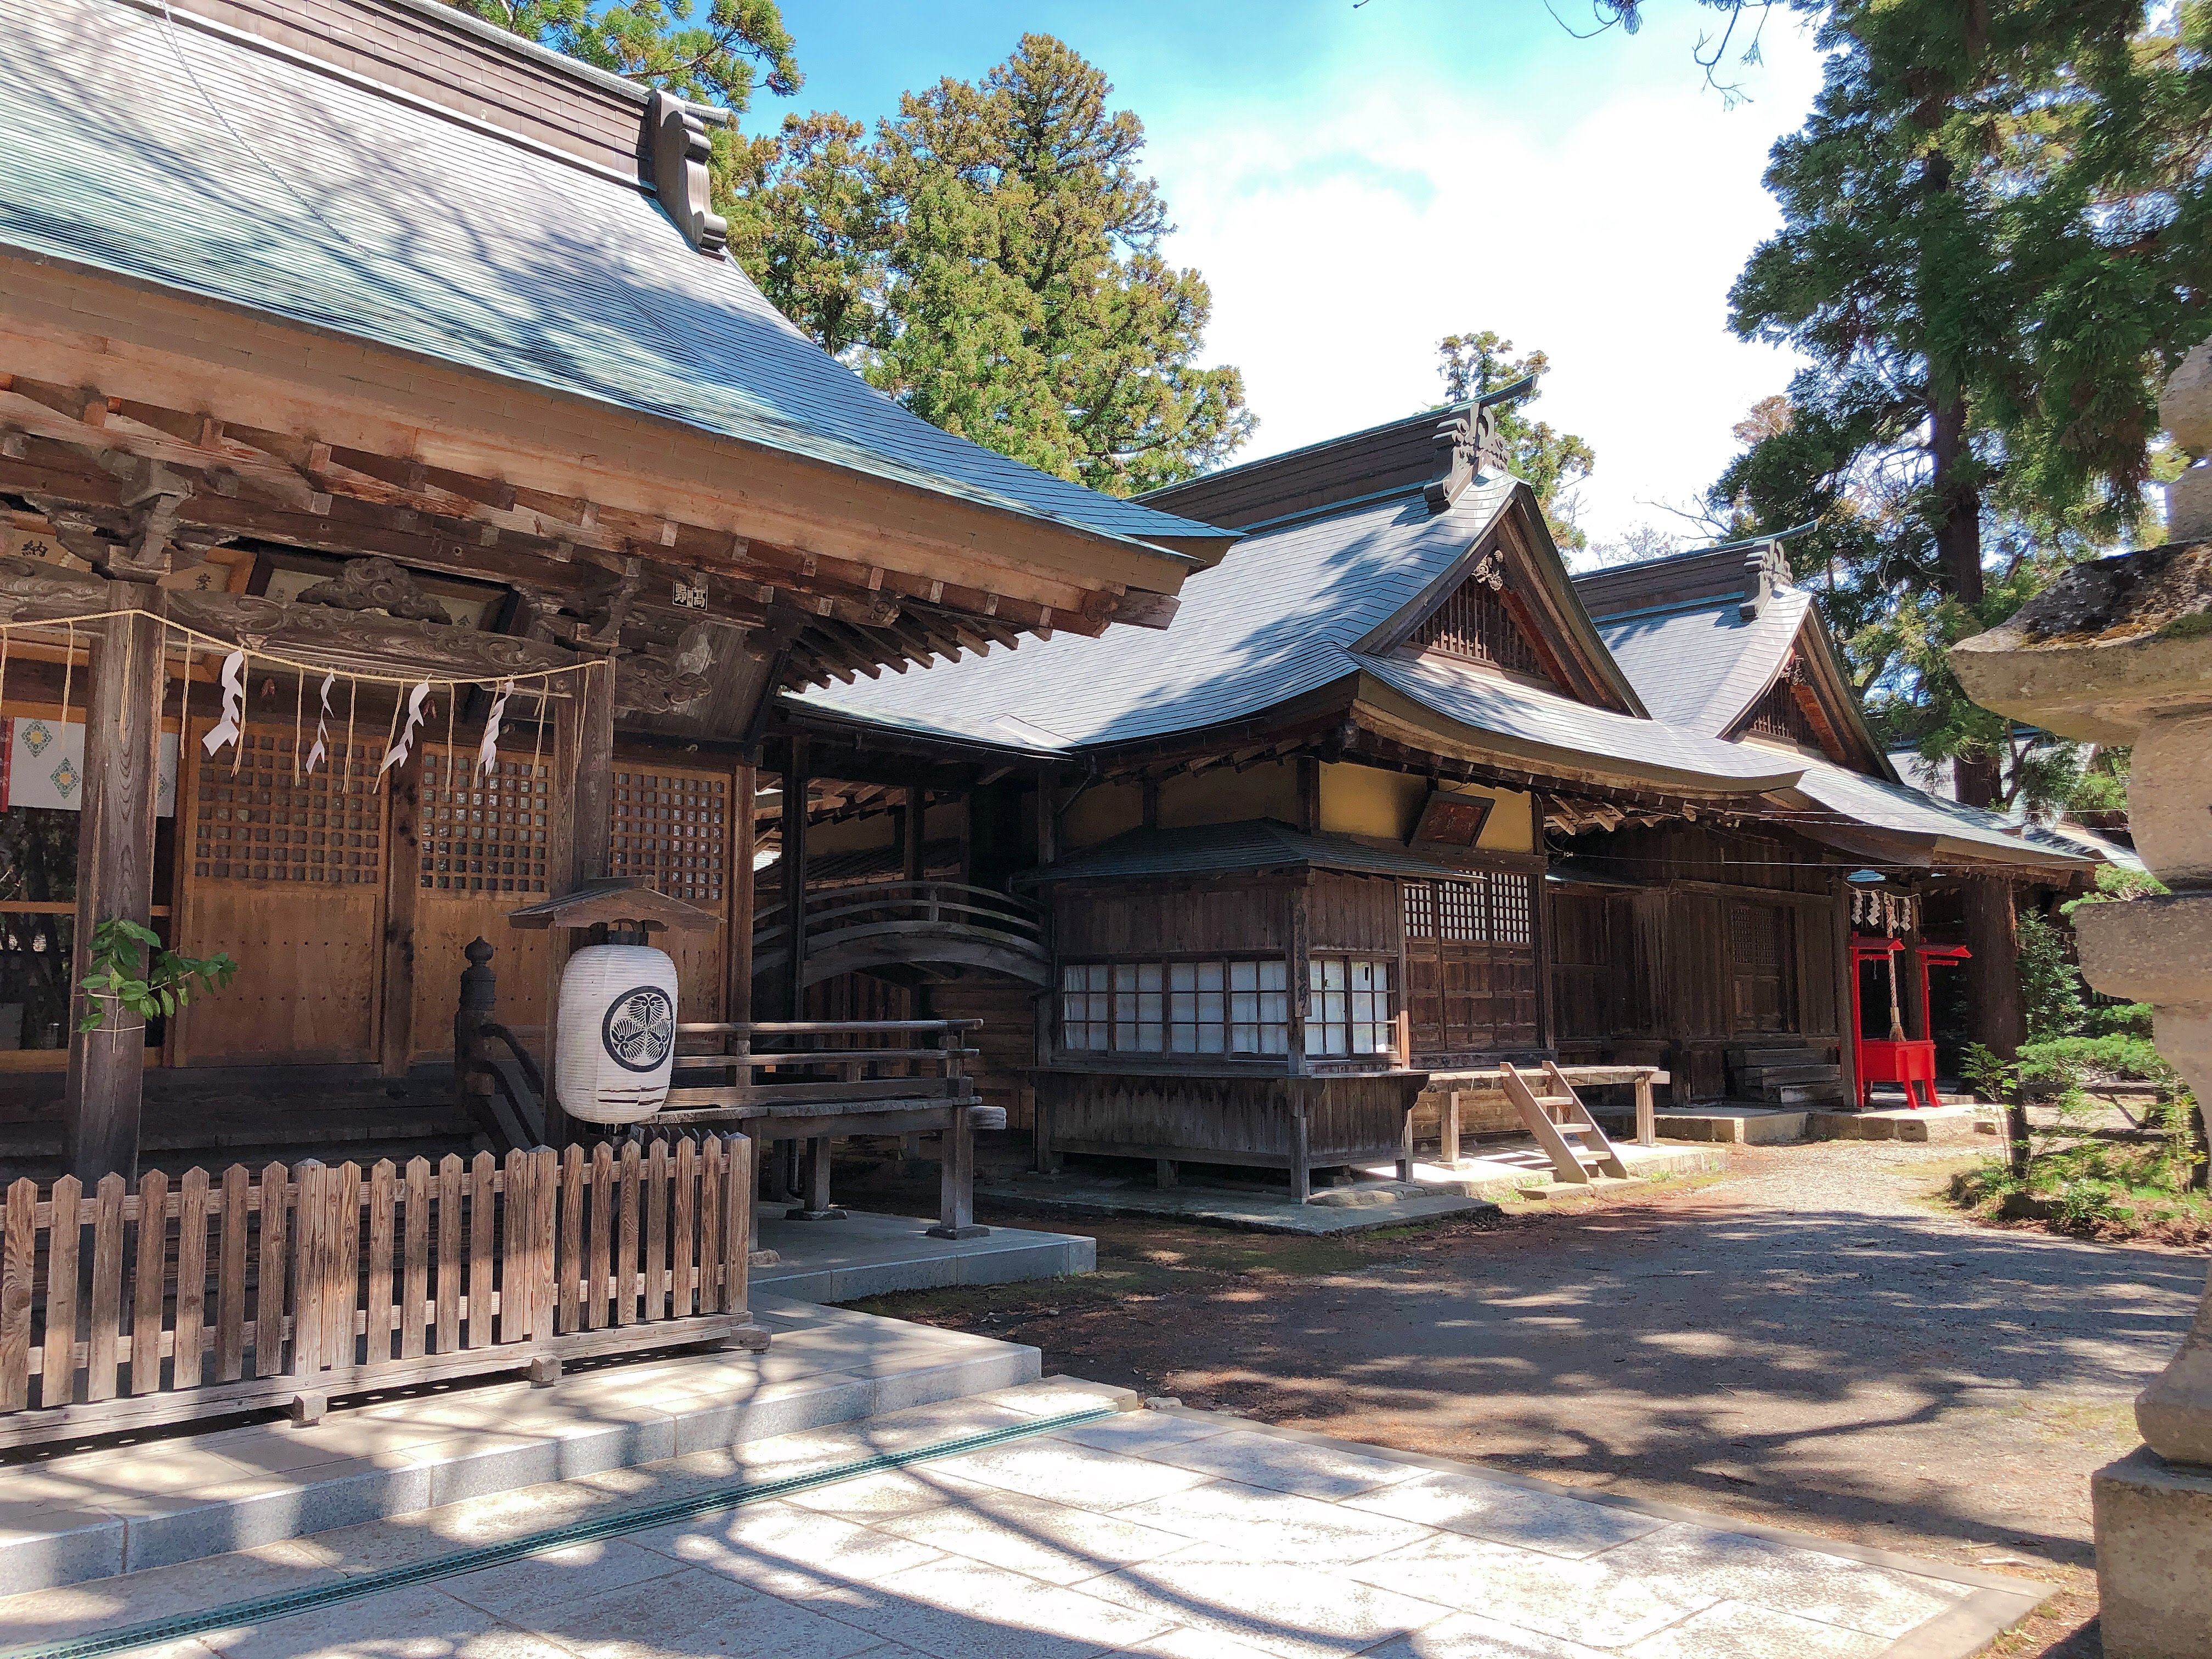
[(1909, 1061)]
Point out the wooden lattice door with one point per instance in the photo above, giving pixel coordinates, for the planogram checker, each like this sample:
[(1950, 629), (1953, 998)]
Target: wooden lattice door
[(1761, 967), (673, 826), (285, 873), (481, 853)]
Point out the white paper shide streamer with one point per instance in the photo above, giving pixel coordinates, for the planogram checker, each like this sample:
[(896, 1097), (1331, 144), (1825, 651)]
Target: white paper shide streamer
[(487, 750), (227, 729), (398, 755), (321, 750)]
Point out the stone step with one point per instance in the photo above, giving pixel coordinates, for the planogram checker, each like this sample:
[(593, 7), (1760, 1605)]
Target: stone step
[(1802, 1094), (157, 1502)]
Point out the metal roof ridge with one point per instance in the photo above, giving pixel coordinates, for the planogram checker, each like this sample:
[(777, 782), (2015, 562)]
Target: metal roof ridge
[(183, 13)]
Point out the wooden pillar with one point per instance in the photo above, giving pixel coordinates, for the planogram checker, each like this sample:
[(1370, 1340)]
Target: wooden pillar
[(967, 874), (914, 829), (1309, 784), (739, 996), (1448, 1129), (793, 866), (1300, 955), (403, 885), (115, 878), (595, 774), (1912, 983), (1048, 821), (1847, 991), (1997, 1017), (1995, 1013), (581, 842), (955, 1190)]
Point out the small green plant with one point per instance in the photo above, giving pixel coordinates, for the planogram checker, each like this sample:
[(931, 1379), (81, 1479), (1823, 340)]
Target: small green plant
[(118, 947)]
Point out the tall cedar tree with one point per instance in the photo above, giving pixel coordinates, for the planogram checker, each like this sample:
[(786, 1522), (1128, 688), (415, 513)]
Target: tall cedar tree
[(1551, 462), (708, 58), (991, 258), (1994, 247)]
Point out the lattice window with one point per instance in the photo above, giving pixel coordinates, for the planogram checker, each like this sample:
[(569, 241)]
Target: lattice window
[(1484, 907), (1779, 714), (673, 829), (1474, 623), (1512, 909), (259, 823), (484, 832)]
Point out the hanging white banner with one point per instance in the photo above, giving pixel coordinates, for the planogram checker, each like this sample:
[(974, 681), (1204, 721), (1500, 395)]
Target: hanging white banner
[(397, 753), (487, 750), (233, 722), (322, 727), (45, 767)]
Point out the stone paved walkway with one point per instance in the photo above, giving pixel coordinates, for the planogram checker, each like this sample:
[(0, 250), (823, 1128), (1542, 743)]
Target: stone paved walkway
[(1175, 1535)]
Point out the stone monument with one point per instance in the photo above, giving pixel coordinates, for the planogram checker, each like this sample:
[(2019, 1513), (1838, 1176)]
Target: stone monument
[(2119, 651)]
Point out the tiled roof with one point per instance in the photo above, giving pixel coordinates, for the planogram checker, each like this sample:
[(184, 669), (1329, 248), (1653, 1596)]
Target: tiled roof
[(1840, 798), (187, 158), (1702, 667), (1253, 844), (1274, 621), (1575, 734)]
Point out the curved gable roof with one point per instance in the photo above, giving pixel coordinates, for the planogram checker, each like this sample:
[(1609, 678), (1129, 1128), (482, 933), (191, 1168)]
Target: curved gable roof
[(183, 155)]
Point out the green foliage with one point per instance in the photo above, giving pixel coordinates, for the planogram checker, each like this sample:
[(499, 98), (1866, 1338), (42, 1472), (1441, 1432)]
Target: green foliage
[(1994, 247), (2115, 884), (991, 258), (119, 978), (2092, 1178), (2050, 986), (706, 58), (1551, 462)]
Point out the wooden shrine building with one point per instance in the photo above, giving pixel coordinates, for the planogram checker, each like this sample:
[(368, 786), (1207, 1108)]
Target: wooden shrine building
[(1364, 815), (393, 370)]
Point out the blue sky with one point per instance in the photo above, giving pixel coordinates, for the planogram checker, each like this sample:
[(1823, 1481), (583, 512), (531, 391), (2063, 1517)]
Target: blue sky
[(1358, 182)]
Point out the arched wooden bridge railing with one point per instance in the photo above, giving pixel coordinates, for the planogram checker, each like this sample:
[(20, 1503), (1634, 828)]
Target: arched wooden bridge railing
[(869, 924)]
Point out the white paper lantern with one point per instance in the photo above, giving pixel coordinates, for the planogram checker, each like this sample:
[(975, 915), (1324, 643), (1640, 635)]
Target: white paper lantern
[(617, 1033)]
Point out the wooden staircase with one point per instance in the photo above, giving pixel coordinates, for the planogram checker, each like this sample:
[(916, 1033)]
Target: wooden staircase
[(1783, 1072), (1563, 1127)]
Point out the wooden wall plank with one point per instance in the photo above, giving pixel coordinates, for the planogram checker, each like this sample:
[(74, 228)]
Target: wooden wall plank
[(449, 1254), (383, 1188), (103, 1334), (18, 1244), (483, 1207), (188, 1367), (230, 1275), (276, 1215)]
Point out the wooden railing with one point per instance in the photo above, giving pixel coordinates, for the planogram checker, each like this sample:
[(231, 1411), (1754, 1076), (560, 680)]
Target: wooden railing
[(892, 920), (813, 1080), (204, 1295)]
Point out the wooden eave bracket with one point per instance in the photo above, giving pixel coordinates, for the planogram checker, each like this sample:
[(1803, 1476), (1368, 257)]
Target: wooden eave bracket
[(612, 899)]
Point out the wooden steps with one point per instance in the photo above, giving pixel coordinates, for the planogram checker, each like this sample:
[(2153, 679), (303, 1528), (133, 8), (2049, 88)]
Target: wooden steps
[(1563, 1127), (1783, 1073)]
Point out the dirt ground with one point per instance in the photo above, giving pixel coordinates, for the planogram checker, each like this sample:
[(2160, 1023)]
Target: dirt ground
[(1810, 1339)]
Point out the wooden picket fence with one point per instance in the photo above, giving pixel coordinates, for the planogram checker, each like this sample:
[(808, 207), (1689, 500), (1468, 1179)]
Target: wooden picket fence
[(201, 1296)]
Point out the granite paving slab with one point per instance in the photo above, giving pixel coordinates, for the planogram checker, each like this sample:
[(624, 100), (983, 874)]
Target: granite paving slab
[(1139, 1534)]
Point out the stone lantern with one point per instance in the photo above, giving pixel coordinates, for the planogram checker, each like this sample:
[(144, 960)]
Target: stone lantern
[(2119, 651)]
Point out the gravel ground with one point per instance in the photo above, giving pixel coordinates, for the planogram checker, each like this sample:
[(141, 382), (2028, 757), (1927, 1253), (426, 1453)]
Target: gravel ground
[(1809, 1340)]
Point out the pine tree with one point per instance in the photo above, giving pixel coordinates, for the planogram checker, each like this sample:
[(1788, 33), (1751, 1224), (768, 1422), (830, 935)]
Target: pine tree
[(1551, 462), (1026, 302), (662, 43)]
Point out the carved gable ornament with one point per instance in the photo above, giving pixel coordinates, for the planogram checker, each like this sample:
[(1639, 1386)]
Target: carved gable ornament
[(376, 583), (675, 139)]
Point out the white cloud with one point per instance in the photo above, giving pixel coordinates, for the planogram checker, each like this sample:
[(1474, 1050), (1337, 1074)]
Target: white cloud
[(1341, 248)]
